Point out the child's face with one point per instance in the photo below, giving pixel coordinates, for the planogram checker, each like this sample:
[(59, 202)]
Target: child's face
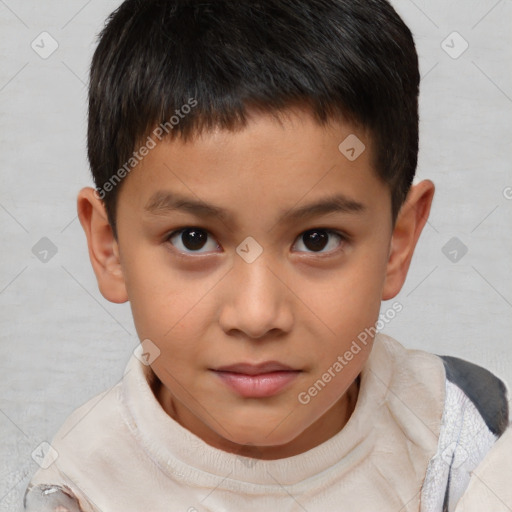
[(207, 299)]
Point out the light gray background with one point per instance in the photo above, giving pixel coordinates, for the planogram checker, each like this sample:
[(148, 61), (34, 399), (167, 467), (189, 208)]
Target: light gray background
[(62, 342)]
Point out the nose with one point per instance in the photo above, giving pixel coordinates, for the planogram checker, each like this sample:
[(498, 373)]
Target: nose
[(257, 301)]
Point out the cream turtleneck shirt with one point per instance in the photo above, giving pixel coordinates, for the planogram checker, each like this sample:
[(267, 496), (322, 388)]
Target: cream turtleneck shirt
[(122, 452)]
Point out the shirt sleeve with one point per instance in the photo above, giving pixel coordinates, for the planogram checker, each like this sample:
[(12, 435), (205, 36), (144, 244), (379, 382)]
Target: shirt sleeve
[(490, 485)]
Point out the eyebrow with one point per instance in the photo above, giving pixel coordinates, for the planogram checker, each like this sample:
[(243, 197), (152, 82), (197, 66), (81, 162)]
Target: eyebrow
[(164, 202)]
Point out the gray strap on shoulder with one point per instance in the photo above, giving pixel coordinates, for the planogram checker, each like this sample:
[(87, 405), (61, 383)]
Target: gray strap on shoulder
[(484, 389), (475, 415)]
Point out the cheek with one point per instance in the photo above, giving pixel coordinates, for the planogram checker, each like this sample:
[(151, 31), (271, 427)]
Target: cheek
[(172, 312), (351, 301), (161, 300), (159, 295)]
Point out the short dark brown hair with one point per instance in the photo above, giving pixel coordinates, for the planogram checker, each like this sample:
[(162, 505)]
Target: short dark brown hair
[(190, 65)]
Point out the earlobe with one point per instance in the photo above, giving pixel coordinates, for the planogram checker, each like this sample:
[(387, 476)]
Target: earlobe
[(103, 248), (408, 227)]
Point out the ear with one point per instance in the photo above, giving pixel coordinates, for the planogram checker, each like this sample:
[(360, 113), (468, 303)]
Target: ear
[(103, 248), (409, 223)]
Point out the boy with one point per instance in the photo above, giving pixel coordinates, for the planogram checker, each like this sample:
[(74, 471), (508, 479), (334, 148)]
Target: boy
[(253, 164)]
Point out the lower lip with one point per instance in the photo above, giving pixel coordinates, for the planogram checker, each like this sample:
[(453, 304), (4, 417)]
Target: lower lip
[(258, 386)]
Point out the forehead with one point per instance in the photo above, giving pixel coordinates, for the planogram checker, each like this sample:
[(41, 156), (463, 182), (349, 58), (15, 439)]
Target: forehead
[(269, 163)]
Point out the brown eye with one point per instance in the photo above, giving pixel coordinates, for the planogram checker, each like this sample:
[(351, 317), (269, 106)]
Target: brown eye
[(315, 240), (191, 239)]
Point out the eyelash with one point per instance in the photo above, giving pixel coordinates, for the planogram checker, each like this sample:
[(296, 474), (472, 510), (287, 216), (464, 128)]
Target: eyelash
[(342, 236)]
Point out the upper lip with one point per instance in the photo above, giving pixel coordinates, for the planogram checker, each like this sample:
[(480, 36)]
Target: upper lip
[(255, 369)]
